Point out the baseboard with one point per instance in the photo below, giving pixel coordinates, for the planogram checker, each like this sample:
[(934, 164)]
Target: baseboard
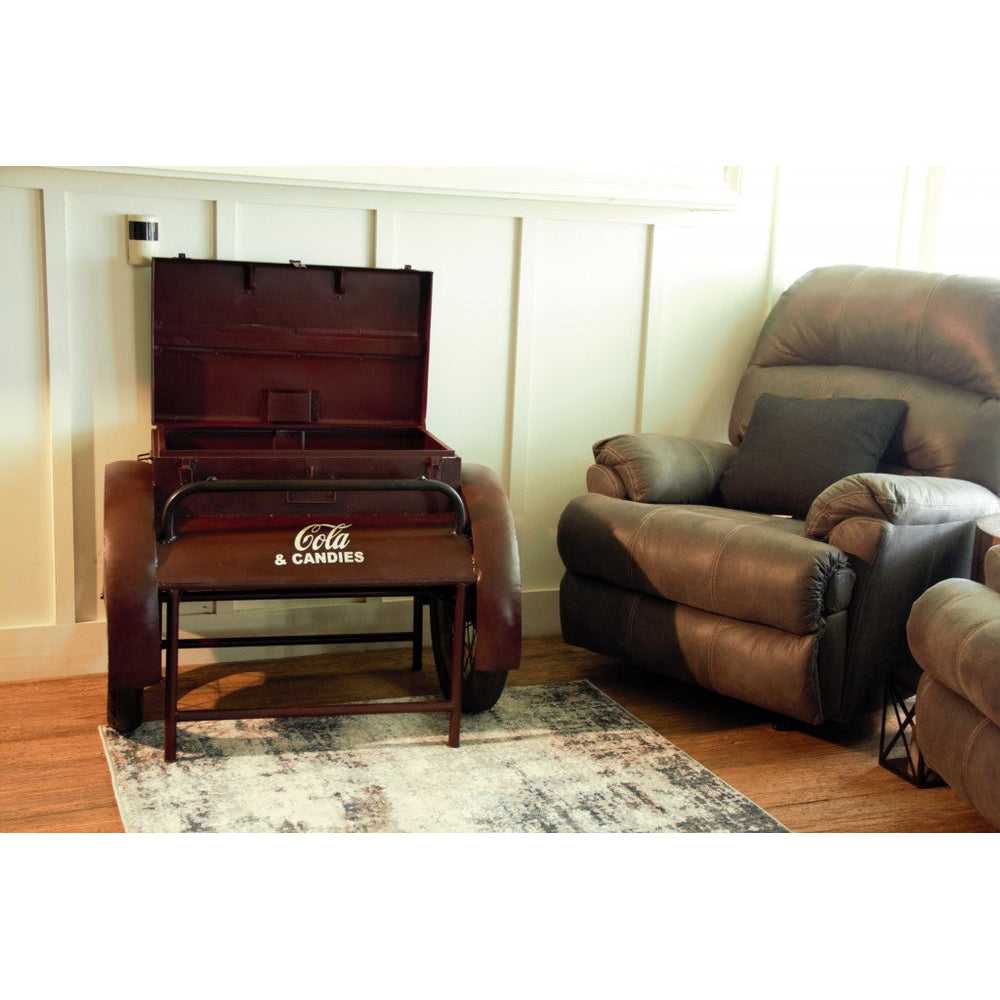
[(44, 651), (47, 651)]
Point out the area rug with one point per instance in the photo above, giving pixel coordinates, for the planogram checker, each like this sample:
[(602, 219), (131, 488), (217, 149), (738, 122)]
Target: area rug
[(547, 758)]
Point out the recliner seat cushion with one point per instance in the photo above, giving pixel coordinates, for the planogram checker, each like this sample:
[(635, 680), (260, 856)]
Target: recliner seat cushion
[(795, 448), (738, 564)]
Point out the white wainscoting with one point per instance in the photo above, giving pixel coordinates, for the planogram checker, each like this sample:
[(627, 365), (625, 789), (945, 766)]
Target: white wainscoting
[(555, 323)]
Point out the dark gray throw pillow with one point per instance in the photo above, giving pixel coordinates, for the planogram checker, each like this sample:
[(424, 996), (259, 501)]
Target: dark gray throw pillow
[(795, 448)]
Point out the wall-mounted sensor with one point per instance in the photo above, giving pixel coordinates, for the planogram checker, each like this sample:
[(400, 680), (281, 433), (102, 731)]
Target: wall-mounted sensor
[(143, 238)]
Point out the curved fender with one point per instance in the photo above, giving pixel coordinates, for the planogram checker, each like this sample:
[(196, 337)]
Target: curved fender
[(498, 570), (130, 590)]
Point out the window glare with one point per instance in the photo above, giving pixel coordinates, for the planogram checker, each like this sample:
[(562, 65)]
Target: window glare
[(968, 236)]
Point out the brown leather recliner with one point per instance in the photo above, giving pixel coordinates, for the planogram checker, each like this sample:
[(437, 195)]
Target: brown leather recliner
[(954, 634), (779, 569)]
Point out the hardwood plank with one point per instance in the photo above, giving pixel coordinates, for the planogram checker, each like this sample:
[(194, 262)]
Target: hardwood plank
[(55, 778)]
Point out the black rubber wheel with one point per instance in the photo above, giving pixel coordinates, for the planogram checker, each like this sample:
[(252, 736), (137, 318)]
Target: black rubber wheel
[(481, 689)]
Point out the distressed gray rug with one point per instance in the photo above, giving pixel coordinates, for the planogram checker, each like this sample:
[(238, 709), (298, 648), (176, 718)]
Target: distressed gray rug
[(547, 758)]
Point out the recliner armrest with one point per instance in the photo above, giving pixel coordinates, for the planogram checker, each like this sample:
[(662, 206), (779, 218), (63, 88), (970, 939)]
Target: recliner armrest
[(954, 633), (898, 500), (658, 468)]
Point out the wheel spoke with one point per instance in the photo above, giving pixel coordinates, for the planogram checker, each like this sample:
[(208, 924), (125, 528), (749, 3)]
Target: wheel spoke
[(468, 649), (480, 689)]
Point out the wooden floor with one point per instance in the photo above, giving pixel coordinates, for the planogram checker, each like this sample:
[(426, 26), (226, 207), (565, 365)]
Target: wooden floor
[(53, 776)]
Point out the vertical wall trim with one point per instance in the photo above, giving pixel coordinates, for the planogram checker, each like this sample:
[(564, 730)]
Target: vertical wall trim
[(226, 229), (651, 335), (911, 215), (384, 250), (60, 401), (770, 292), (519, 392), (931, 220)]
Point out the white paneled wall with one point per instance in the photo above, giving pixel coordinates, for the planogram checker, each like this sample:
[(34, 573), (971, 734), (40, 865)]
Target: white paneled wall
[(470, 379), (27, 593), (555, 323), (586, 334), (310, 233), (109, 357)]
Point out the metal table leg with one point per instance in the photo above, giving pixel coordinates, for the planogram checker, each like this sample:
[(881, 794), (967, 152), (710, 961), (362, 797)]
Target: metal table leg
[(908, 764), (172, 643), (457, 665), (170, 685)]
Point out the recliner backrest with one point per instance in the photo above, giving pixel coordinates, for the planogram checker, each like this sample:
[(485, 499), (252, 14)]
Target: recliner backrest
[(865, 332)]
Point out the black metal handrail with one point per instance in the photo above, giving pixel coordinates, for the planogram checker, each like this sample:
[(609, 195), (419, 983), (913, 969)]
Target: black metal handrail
[(167, 533)]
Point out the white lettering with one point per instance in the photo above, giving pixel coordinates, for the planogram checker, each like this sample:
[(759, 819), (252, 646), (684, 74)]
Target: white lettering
[(322, 543), (312, 558), (323, 537)]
